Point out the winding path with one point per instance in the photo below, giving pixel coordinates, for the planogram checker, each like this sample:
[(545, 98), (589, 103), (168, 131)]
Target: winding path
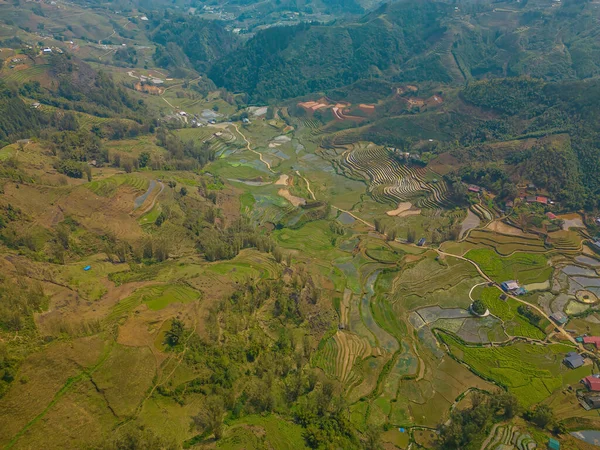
[(539, 310), (260, 156)]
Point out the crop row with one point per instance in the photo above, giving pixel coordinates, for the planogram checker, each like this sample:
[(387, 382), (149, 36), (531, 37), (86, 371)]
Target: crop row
[(391, 181)]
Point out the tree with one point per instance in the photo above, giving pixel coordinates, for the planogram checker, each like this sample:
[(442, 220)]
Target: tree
[(210, 418), (478, 307), (183, 191), (505, 404), (144, 159), (174, 335), (541, 415), (137, 439)]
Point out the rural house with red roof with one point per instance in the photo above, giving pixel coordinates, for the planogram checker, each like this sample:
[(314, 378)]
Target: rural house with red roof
[(592, 382), (595, 340)]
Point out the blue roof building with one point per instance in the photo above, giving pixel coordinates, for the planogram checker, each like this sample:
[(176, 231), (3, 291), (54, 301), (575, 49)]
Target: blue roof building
[(573, 360)]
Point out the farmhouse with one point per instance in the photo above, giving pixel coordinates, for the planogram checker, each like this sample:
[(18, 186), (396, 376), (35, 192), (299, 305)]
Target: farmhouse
[(553, 444), (474, 188), (537, 199), (594, 340), (573, 360), (510, 286), (550, 215), (592, 382), (559, 317), (593, 401)]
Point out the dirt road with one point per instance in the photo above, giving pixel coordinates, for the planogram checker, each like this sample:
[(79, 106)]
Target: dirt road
[(260, 156)]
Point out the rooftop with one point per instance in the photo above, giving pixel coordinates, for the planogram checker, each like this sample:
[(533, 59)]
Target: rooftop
[(573, 360), (592, 382)]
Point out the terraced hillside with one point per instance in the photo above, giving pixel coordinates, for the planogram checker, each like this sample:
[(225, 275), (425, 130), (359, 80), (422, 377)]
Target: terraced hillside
[(509, 438), (392, 182)]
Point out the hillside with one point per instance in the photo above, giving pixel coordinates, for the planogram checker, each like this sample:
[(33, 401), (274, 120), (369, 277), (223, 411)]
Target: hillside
[(430, 41), (375, 227)]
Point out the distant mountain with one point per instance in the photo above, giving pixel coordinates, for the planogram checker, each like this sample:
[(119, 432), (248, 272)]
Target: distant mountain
[(411, 41), (189, 42), (286, 62)]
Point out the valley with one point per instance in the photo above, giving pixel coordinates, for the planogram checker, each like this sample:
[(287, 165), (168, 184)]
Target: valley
[(201, 248)]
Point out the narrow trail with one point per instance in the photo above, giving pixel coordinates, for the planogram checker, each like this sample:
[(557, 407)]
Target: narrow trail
[(260, 156), (355, 216), (312, 194), (173, 86), (471, 291), (107, 37)]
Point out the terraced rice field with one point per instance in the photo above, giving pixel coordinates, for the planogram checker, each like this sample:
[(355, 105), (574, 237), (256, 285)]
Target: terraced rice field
[(108, 186), (523, 267), (314, 126), (508, 437), (22, 76), (506, 244), (531, 372), (339, 354), (392, 182), (156, 297)]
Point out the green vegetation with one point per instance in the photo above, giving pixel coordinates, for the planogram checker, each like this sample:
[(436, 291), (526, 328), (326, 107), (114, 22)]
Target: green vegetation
[(523, 267), (531, 372), (510, 312)]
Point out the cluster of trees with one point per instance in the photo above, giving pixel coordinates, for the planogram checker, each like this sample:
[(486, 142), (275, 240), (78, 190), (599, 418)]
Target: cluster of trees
[(184, 154), (467, 425), (217, 243), (184, 41), (568, 169), (529, 314), (18, 302), (245, 372), (283, 62), (17, 120)]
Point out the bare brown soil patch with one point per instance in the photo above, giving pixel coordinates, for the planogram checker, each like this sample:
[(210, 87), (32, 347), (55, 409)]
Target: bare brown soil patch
[(296, 201), (148, 89), (402, 207), (504, 228), (283, 180)]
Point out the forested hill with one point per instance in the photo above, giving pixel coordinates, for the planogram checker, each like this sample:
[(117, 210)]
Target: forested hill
[(17, 120), (422, 41), (286, 62), (184, 41)]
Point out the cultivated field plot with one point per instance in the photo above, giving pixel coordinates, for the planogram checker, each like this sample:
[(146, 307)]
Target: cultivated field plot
[(531, 372), (108, 187), (392, 182), (156, 297), (510, 437), (523, 267), (432, 282), (339, 354), (506, 244), (507, 311)]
